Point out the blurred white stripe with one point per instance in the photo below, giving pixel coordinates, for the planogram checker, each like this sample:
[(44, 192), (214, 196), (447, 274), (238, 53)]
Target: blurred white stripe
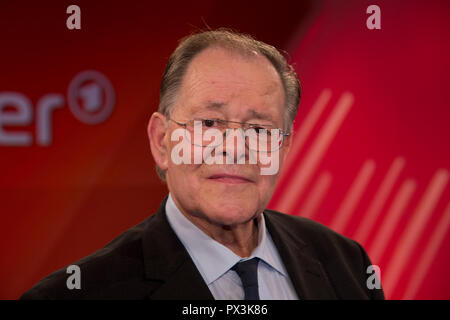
[(306, 127), (390, 222), (378, 201), (307, 168), (343, 214), (428, 256), (414, 230), (315, 196)]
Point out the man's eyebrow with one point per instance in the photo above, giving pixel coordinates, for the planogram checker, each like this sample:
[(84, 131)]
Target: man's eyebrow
[(252, 114), (215, 104), (258, 115)]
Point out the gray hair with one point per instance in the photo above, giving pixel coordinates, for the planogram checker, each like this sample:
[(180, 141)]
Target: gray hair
[(193, 44)]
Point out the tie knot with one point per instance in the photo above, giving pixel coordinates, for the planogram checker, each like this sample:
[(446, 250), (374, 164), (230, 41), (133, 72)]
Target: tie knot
[(247, 269), (248, 272)]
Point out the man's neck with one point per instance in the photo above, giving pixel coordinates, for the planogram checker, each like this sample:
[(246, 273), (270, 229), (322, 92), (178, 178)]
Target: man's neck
[(242, 239)]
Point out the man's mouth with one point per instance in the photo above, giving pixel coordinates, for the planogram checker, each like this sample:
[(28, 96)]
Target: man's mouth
[(229, 178)]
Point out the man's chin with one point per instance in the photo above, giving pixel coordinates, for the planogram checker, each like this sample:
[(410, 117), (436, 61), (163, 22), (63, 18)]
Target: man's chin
[(230, 217)]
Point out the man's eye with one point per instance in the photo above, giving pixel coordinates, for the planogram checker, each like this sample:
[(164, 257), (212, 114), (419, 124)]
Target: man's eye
[(261, 131), (209, 123)]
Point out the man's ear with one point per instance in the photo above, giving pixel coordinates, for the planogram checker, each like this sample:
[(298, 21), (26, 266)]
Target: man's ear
[(157, 130), (287, 140)]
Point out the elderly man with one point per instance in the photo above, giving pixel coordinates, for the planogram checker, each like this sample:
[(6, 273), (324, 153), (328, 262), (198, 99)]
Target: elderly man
[(212, 237)]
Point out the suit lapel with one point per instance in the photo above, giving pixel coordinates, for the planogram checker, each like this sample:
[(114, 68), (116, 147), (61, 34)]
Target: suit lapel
[(306, 272), (168, 264), (173, 274)]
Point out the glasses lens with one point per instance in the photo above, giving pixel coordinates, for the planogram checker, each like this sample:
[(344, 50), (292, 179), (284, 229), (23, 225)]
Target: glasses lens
[(205, 132), (210, 133), (264, 140)]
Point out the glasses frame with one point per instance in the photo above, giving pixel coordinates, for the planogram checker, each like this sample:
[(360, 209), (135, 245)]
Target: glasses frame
[(283, 133)]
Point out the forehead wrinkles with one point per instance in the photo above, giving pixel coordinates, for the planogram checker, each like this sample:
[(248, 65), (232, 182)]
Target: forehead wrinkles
[(217, 75), (200, 79)]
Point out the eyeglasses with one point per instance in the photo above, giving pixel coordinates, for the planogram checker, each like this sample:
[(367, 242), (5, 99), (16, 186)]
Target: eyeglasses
[(258, 137)]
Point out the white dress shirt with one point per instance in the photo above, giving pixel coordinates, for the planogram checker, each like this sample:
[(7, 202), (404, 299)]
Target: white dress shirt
[(214, 261)]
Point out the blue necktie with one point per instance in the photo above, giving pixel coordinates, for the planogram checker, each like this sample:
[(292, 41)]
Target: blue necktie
[(248, 272)]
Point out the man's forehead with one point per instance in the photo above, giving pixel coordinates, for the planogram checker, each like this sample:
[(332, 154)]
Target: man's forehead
[(235, 53), (217, 58), (216, 79), (222, 107)]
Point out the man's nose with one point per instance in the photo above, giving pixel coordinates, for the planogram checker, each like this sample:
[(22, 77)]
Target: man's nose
[(234, 148)]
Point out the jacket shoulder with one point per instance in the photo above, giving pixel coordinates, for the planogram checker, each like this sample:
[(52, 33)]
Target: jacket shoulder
[(344, 260), (110, 269), (308, 229)]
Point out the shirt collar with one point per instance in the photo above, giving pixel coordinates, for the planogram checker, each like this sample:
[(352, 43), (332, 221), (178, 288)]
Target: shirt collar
[(211, 258)]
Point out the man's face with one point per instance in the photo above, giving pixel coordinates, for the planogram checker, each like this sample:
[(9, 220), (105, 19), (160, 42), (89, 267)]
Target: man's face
[(220, 84)]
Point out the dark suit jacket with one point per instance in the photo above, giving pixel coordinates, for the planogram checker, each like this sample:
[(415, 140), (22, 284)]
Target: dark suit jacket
[(148, 261)]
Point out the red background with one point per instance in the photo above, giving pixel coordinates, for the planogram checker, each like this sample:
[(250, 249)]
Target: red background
[(61, 202)]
